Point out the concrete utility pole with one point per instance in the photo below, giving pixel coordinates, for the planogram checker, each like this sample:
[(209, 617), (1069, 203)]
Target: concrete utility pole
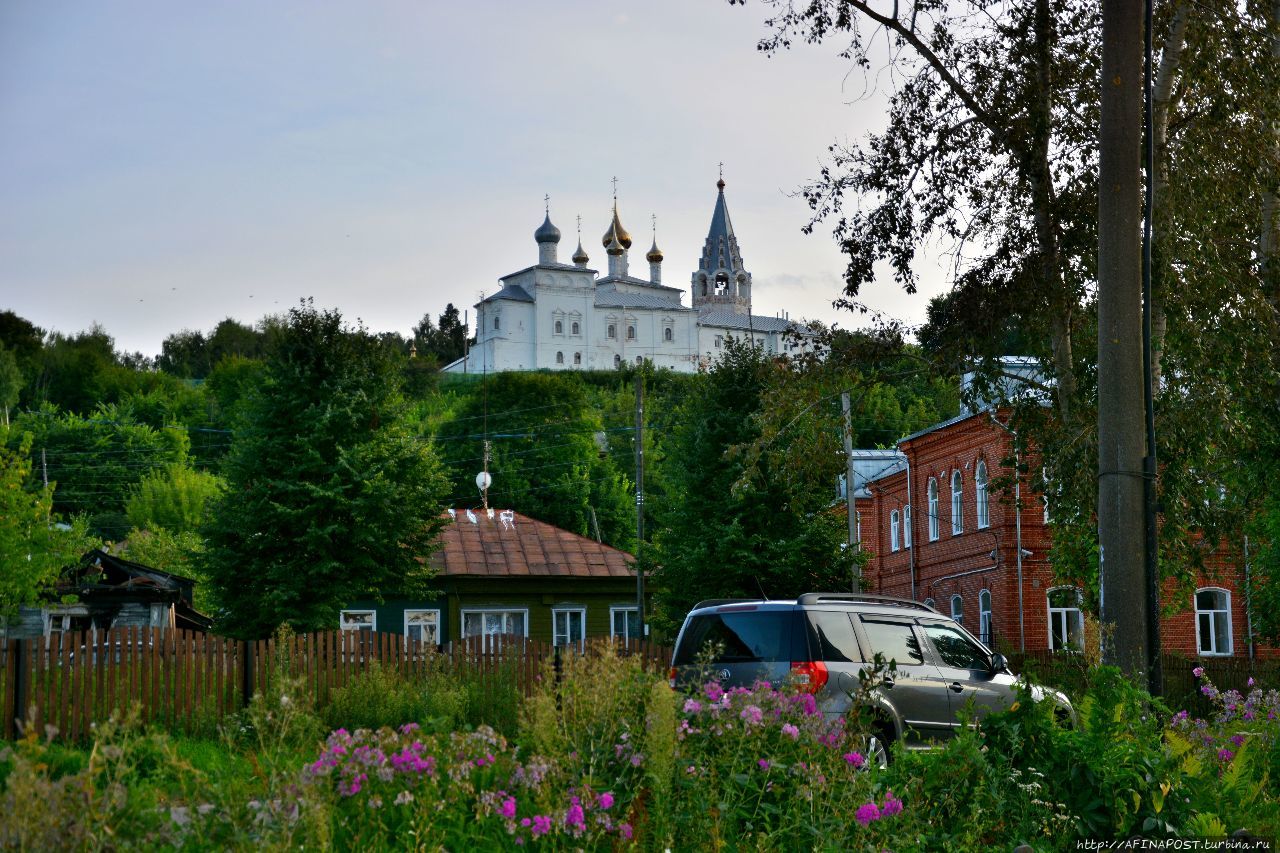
[(640, 499), (854, 544), (1121, 439)]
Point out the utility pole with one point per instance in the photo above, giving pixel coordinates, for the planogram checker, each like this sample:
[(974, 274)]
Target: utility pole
[(855, 544), (640, 498), (1121, 440), (44, 468)]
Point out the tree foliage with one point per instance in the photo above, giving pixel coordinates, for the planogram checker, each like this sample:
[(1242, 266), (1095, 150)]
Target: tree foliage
[(330, 498), (173, 498), (34, 546)]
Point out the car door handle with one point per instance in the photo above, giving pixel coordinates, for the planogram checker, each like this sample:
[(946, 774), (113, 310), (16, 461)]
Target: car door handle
[(956, 687)]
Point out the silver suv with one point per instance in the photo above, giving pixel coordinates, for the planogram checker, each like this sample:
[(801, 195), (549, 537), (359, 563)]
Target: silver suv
[(821, 641)]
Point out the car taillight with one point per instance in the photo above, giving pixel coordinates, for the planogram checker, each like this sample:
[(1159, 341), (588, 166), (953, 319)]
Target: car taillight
[(809, 676), (671, 677)]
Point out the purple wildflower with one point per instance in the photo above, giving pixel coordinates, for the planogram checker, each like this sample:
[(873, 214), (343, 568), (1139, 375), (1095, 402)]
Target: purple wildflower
[(790, 731), (866, 813), (763, 763), (892, 805), (1198, 672), (541, 825), (1225, 754), (855, 759), (606, 800), (624, 829), (508, 808), (1238, 740)]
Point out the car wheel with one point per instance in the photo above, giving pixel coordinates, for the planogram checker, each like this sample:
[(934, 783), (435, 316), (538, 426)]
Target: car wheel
[(876, 746)]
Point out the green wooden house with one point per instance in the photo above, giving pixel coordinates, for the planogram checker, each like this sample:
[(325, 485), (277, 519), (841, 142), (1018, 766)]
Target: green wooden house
[(505, 573)]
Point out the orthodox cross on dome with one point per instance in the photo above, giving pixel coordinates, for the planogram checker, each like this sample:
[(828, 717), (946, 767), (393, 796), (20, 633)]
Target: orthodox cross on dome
[(615, 188), (653, 217), (722, 170), (579, 227), (547, 200)]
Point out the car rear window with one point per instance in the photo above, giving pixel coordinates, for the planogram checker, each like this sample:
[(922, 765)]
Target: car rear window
[(760, 636), (836, 640)]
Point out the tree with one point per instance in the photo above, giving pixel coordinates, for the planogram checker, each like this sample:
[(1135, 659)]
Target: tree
[(175, 552), (330, 498), (34, 546), (11, 381), (185, 354), (727, 530), (446, 341), (173, 498)]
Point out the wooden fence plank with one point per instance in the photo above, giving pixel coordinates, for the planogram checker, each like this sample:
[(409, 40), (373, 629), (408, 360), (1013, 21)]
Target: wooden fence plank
[(10, 687)]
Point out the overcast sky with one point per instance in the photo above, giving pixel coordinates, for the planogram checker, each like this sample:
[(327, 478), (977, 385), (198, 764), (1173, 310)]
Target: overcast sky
[(165, 165)]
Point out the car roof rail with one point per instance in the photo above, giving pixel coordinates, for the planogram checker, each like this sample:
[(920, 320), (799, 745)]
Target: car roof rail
[(712, 602), (862, 597)]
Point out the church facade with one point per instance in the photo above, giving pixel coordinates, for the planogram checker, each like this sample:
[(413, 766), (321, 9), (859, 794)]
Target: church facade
[(566, 316)]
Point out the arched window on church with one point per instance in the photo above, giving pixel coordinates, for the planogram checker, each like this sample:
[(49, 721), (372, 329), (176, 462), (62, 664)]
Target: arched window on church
[(639, 360), (577, 358), (613, 331), (559, 327), (575, 327), (617, 361), (497, 323), (559, 358), (668, 335), (631, 333)]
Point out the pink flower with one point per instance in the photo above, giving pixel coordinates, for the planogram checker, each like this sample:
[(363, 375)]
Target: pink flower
[(508, 808), (866, 813), (606, 800), (575, 819), (624, 829), (1225, 754), (1250, 682), (763, 763), (1198, 672), (855, 759), (892, 805), (752, 715), (1238, 740), (541, 825), (790, 731), (714, 691), (692, 706), (637, 760)]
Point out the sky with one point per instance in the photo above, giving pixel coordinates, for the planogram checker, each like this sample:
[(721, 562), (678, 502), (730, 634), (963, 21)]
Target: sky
[(166, 165)]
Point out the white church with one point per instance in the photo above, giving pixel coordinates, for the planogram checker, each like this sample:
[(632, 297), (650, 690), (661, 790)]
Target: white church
[(557, 316)]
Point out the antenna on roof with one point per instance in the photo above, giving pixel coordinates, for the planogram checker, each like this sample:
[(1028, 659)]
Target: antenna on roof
[(761, 588)]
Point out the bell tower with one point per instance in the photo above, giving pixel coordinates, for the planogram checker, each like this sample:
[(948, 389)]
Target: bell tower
[(721, 282)]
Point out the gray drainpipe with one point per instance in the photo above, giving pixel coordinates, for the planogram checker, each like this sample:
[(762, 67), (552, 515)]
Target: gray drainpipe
[(1017, 507), (911, 552), (1248, 597)]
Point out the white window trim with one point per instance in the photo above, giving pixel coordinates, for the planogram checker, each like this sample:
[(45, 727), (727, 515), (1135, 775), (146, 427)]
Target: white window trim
[(929, 602), (894, 529), (980, 481), (614, 610), (1065, 611), (462, 616), (1213, 616), (373, 626), (984, 616), (957, 608), (434, 610), (957, 503), (934, 523), (556, 611), (906, 526)]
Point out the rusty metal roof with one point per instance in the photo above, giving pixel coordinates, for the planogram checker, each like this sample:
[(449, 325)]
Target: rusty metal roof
[(514, 545)]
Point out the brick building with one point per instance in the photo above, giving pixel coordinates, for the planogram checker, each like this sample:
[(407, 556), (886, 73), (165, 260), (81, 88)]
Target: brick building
[(938, 531)]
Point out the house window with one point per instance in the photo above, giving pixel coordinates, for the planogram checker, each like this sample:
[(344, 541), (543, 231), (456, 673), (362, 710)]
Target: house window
[(422, 626), (984, 616), (894, 526), (497, 322), (906, 526), (577, 358), (559, 327), (980, 492), (1066, 621), (576, 327), (612, 331), (569, 626), (559, 358), (624, 623), (631, 333), (358, 620), (494, 622), (719, 341), (957, 504), (1213, 621), (933, 509), (668, 335), (957, 608), (929, 602)]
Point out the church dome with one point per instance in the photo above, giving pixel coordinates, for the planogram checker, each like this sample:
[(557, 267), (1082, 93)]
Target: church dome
[(655, 254), (613, 246), (580, 256), (547, 233), (616, 231)]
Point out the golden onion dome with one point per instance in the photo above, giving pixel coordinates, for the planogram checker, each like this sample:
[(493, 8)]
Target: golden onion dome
[(580, 256), (616, 231), (613, 247), (655, 254)]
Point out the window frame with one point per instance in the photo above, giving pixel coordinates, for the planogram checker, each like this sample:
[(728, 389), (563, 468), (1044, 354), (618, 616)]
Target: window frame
[(631, 332), (980, 490), (1213, 615), (984, 616), (373, 622), (568, 610), (935, 525), (1065, 612), (906, 526), (611, 331), (577, 359), (463, 612), (619, 609), (576, 327), (559, 327), (895, 526), (957, 503), (957, 608), (415, 610), (668, 334), (560, 357)]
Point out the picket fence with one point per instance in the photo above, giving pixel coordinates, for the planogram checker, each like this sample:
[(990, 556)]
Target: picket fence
[(182, 679)]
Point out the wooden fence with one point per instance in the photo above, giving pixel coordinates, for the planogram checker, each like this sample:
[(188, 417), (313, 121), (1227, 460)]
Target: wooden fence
[(183, 678)]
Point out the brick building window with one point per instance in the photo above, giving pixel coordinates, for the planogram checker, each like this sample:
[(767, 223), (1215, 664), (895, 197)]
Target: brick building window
[(928, 602), (894, 526), (957, 608), (1066, 622), (980, 493), (906, 526), (957, 504), (933, 509), (1213, 621), (984, 616)]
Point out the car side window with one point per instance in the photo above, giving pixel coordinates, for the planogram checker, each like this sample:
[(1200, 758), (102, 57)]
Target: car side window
[(836, 640), (954, 648), (896, 641)]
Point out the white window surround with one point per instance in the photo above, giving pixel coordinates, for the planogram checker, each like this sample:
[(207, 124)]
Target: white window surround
[(577, 328), (857, 528), (894, 529), (631, 333), (957, 503), (1066, 620), (577, 358), (933, 509), (358, 620), (668, 334), (957, 608), (559, 327), (929, 602), (502, 623), (624, 622), (566, 629), (906, 526), (559, 358), (1213, 622), (612, 331), (984, 616), (427, 623), (980, 494)]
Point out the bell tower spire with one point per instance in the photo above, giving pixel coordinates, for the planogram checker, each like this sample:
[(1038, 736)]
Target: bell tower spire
[(721, 283)]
